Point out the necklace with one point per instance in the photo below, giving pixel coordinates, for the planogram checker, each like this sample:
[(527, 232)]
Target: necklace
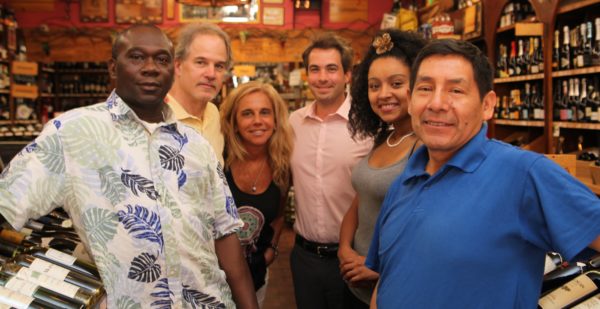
[(257, 175), (387, 141)]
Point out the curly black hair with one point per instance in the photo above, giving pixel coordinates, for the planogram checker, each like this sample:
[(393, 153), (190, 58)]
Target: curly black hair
[(364, 122)]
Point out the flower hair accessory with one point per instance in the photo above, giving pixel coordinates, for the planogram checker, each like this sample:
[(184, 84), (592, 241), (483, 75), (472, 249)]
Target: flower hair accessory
[(383, 43)]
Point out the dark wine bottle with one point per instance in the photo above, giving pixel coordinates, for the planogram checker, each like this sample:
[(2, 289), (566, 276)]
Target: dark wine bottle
[(55, 271), (596, 49), (70, 291), (45, 296), (592, 302), (556, 51), (564, 273), (572, 292), (565, 52)]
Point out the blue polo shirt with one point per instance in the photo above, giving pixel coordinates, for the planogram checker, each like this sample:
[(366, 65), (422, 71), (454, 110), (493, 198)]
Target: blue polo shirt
[(474, 234)]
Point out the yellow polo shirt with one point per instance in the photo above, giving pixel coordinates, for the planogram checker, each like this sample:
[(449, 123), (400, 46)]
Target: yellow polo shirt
[(209, 127)]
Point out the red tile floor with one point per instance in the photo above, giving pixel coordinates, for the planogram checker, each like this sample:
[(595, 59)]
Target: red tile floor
[(280, 291)]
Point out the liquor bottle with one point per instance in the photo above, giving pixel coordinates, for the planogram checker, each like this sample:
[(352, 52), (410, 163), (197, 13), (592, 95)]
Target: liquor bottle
[(50, 297), (70, 291), (500, 64), (553, 260), (566, 272), (556, 51), (539, 54), (565, 52), (572, 291), (532, 67), (15, 237), (504, 112), (594, 100), (596, 49), (512, 60)]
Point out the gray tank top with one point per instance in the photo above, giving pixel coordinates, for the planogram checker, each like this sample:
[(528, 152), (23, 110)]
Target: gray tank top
[(371, 184)]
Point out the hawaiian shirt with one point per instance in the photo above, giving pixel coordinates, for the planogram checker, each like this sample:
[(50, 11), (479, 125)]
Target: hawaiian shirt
[(147, 203)]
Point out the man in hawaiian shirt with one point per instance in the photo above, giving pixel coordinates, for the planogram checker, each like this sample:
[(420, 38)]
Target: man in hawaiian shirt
[(146, 194)]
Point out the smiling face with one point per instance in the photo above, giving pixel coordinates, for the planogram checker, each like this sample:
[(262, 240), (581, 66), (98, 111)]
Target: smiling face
[(326, 77), (201, 73), (445, 105), (143, 68), (255, 119), (388, 89)]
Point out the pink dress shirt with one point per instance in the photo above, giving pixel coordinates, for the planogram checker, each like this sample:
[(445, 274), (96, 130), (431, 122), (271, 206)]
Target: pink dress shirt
[(322, 161)]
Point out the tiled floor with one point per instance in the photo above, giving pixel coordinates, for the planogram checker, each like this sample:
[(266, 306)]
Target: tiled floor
[(280, 291)]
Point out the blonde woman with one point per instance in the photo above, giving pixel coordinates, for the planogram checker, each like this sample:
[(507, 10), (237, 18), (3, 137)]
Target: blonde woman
[(258, 146)]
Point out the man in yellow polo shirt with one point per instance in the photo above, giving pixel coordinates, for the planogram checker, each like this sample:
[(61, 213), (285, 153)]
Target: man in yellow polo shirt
[(202, 58)]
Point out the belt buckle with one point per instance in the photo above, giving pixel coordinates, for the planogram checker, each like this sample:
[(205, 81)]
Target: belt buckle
[(319, 248)]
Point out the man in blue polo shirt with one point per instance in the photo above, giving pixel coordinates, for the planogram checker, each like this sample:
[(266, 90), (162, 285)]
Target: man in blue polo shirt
[(468, 222)]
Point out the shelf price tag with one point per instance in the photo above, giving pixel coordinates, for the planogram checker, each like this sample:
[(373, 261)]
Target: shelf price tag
[(24, 91), (529, 29), (24, 68)]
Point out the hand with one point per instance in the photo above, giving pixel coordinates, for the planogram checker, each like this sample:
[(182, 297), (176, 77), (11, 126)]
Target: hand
[(270, 256), (356, 273), (346, 254)]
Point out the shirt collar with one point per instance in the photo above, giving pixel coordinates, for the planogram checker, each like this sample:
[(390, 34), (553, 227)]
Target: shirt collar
[(467, 159), (178, 111), (120, 111), (342, 111)]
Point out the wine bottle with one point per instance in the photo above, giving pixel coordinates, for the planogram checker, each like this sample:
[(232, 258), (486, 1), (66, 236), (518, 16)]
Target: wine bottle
[(572, 102), (539, 54), (68, 290), (579, 106), (512, 60), (538, 104), (565, 52), (15, 237), (526, 103), (55, 271), (566, 272), (585, 102), (66, 261), (572, 291), (596, 49), (586, 44), (574, 39), (565, 112), (18, 300), (49, 297), (521, 63)]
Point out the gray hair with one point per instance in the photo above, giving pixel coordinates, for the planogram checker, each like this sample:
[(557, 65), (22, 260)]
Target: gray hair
[(190, 31)]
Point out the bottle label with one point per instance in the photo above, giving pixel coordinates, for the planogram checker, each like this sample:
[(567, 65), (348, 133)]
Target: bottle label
[(592, 303), (14, 299), (60, 257), (26, 231), (568, 293), (58, 286), (21, 286), (49, 269), (588, 112)]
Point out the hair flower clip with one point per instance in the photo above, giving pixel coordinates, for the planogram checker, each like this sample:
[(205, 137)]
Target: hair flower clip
[(383, 43)]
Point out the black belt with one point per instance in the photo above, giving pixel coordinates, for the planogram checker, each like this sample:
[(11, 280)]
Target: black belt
[(322, 250)]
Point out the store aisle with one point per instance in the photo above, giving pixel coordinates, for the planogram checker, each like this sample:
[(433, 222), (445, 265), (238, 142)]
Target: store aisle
[(280, 292)]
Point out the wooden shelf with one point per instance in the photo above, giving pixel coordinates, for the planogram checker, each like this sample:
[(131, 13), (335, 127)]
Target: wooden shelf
[(505, 28), (581, 71), (515, 79), (26, 122), (519, 123), (4, 91), (577, 125), (569, 6), (591, 185)]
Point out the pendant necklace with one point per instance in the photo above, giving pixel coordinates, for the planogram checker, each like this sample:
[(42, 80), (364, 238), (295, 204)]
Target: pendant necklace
[(257, 175), (387, 141)]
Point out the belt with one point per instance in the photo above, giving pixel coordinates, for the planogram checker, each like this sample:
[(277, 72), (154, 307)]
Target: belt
[(322, 250)]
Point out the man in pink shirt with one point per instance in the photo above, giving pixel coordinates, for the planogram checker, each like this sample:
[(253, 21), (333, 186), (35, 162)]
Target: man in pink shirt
[(322, 161)]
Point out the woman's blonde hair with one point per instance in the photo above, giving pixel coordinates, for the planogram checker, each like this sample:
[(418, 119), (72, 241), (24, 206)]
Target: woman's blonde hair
[(279, 145)]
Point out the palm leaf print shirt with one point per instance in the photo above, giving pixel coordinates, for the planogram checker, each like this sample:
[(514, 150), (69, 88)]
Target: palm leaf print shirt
[(148, 202)]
